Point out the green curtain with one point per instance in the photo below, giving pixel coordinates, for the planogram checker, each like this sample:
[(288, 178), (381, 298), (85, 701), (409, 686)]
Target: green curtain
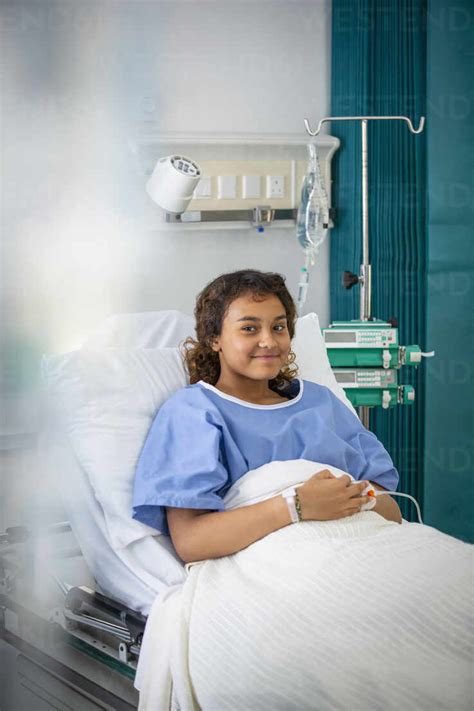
[(379, 68)]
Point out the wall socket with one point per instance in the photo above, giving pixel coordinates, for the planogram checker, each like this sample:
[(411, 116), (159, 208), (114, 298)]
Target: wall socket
[(275, 186)]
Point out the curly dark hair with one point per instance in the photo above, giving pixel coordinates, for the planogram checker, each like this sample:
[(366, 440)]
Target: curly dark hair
[(212, 304)]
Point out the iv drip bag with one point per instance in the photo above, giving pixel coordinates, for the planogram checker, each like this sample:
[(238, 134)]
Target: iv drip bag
[(313, 212), (312, 221)]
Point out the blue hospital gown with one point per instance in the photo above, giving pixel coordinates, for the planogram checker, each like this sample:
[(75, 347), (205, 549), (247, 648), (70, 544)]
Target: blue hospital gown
[(202, 440)]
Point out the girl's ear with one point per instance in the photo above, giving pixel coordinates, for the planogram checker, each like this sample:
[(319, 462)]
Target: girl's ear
[(215, 345)]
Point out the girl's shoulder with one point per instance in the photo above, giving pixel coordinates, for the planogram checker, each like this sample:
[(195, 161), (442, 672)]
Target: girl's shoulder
[(317, 393), (311, 386), (192, 394)]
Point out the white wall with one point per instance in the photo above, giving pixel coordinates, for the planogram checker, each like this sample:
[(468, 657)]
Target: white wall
[(82, 82)]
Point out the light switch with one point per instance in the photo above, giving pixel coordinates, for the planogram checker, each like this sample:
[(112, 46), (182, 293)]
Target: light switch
[(275, 186), (226, 187), (251, 186), (203, 188)]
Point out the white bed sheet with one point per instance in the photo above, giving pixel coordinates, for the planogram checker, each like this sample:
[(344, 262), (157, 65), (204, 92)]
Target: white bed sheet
[(355, 613)]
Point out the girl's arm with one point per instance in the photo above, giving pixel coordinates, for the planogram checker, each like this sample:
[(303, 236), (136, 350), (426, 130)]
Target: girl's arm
[(199, 535)]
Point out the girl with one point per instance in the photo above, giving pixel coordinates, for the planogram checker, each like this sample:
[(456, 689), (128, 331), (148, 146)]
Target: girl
[(245, 407)]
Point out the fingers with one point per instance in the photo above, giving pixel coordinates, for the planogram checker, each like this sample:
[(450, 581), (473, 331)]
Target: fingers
[(355, 496), (356, 504), (353, 510), (357, 488), (325, 474), (360, 500)]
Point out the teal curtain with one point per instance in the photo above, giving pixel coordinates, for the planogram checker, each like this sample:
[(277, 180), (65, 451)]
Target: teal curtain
[(449, 461), (379, 68)]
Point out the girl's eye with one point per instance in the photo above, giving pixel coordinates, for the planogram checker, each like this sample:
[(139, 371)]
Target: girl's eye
[(279, 326)]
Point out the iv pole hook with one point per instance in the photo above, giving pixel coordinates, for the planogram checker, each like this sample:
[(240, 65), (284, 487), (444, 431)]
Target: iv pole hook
[(365, 118)]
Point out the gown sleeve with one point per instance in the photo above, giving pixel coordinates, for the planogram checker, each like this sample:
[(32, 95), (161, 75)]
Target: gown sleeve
[(370, 460), (179, 464)]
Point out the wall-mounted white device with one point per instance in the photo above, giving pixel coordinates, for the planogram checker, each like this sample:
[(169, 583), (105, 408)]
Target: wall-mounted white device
[(173, 182)]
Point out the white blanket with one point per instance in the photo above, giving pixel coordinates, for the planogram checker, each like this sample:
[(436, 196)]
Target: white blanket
[(356, 613)]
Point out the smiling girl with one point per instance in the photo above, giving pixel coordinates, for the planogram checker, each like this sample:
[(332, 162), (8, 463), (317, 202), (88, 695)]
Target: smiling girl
[(245, 407)]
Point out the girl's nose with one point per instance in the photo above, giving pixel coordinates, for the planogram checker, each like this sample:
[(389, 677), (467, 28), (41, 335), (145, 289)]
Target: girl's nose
[(266, 341)]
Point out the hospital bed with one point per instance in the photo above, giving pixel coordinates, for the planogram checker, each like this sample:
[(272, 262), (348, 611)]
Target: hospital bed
[(75, 594)]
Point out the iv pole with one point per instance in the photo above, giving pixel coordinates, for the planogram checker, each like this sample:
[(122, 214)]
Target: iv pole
[(365, 277)]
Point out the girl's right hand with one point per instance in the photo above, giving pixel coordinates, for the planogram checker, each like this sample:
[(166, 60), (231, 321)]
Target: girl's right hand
[(325, 497)]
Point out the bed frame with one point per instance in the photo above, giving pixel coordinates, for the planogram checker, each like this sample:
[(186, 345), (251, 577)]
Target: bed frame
[(80, 653)]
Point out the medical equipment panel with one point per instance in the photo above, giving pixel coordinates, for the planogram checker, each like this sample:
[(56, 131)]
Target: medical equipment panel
[(368, 344), (365, 357), (366, 378), (374, 387)]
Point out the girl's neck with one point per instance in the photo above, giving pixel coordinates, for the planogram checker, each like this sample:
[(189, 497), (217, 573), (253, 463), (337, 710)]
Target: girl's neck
[(255, 391)]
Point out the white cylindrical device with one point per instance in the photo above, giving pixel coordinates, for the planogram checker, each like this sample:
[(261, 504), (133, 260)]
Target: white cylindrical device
[(173, 182)]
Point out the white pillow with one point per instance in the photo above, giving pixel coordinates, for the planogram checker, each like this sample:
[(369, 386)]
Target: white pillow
[(107, 399), (312, 357)]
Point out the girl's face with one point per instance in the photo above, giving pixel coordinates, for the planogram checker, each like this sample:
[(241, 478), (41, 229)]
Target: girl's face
[(254, 342)]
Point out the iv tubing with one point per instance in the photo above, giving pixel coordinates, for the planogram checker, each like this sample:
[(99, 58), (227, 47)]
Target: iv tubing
[(303, 283), (397, 493)]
